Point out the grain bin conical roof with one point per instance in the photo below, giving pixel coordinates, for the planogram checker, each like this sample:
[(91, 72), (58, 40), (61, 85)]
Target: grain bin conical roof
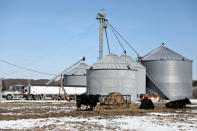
[(111, 61), (164, 53), (132, 63), (79, 70)]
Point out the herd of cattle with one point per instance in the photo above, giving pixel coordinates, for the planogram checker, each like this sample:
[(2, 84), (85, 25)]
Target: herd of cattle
[(148, 104), (92, 100)]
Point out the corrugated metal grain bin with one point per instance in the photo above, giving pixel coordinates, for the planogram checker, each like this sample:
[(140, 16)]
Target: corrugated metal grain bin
[(77, 76), (168, 72), (140, 74), (110, 75)]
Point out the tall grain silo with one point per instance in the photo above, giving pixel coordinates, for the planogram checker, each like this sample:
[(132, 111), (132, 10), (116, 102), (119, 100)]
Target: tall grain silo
[(140, 73), (169, 74), (77, 76), (110, 75)]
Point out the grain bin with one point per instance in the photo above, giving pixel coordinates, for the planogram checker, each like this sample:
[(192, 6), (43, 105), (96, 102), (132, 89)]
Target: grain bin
[(77, 76), (140, 74), (168, 73), (110, 75)]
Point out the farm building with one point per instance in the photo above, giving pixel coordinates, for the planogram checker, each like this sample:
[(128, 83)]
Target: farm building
[(111, 74), (77, 76), (169, 74), (140, 74)]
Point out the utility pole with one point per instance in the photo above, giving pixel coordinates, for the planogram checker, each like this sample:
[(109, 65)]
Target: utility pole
[(102, 18), (1, 86)]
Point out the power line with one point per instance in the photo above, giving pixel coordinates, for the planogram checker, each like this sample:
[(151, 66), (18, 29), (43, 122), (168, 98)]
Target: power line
[(24, 68)]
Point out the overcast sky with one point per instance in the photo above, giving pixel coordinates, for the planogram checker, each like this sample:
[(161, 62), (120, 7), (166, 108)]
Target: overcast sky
[(50, 35)]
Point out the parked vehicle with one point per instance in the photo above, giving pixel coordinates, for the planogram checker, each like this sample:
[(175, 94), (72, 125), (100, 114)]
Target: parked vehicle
[(14, 92), (41, 92)]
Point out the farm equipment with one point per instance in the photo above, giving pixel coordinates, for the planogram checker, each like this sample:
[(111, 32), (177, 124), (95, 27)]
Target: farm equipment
[(61, 74)]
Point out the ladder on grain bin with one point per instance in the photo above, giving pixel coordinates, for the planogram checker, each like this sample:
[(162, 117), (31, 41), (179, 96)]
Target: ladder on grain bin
[(155, 86)]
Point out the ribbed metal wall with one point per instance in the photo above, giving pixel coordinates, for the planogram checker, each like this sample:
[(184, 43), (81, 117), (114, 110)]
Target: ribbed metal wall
[(194, 91), (75, 80), (110, 75), (77, 76), (106, 81), (172, 76), (140, 73)]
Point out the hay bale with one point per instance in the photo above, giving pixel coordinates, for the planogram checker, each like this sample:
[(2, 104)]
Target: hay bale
[(114, 100)]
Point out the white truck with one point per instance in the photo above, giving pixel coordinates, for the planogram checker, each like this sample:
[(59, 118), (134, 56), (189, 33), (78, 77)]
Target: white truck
[(41, 92), (38, 92), (15, 91)]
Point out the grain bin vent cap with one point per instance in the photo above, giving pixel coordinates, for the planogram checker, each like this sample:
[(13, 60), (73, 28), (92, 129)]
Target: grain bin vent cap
[(79, 70), (111, 61), (164, 53)]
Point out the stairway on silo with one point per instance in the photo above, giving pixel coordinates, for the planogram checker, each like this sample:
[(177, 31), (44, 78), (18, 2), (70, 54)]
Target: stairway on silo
[(155, 87)]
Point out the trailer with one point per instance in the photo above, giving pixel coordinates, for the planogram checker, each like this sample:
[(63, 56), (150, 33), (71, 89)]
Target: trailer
[(54, 92), (38, 92)]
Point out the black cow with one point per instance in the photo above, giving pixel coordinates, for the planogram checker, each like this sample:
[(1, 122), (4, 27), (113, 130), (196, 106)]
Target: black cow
[(88, 100), (178, 103), (146, 104)]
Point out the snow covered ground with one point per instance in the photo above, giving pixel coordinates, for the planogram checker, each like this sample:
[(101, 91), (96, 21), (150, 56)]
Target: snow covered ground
[(151, 121)]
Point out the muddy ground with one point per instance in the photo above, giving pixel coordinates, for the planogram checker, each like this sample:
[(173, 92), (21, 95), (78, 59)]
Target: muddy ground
[(61, 115), (34, 110)]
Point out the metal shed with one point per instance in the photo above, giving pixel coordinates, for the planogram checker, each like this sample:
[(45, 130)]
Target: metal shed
[(77, 76), (111, 75), (140, 74), (168, 73)]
